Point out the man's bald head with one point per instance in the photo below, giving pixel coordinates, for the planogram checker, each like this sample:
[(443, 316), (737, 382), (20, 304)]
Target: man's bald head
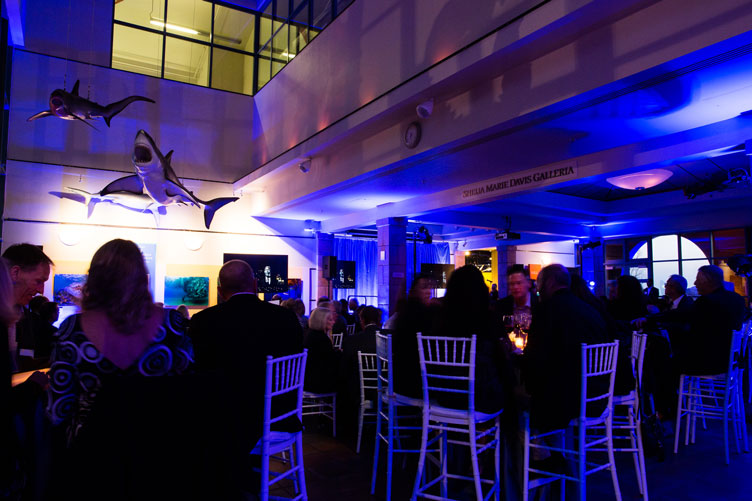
[(236, 276)]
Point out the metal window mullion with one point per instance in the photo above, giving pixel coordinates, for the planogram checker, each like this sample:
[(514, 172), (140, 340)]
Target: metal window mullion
[(256, 49), (164, 38), (211, 46)]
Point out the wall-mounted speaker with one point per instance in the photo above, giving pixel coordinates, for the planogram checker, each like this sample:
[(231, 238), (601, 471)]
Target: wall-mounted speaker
[(328, 266)]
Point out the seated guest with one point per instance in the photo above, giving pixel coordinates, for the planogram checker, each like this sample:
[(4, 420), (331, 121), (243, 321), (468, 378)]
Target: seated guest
[(413, 315), (551, 360), (520, 298), (713, 316), (29, 269), (344, 311), (299, 308), (320, 302), (340, 324), (349, 375), (232, 340), (630, 301), (323, 358), (464, 313), (677, 306)]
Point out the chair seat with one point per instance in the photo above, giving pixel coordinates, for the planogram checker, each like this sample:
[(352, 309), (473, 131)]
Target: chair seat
[(309, 394), (368, 404), (405, 400), (278, 441), (627, 399), (459, 416)]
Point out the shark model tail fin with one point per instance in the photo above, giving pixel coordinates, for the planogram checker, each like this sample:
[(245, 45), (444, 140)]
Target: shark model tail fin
[(114, 108), (213, 206)]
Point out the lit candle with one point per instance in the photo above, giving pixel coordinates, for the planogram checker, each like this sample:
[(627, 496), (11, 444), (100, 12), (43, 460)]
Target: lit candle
[(519, 342)]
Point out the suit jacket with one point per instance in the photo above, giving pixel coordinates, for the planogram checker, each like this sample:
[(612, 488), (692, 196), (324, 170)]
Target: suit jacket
[(323, 362), (705, 347), (505, 306), (233, 340), (551, 362)]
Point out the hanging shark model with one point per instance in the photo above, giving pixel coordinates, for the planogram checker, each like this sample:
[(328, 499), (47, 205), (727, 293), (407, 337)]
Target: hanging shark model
[(156, 177), (71, 106), (141, 203)]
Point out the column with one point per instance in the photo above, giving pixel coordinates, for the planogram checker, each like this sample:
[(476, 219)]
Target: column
[(324, 247), (506, 256), (392, 261)]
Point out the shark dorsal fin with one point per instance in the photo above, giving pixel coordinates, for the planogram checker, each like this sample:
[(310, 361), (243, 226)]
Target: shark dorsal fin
[(168, 157), (75, 88)]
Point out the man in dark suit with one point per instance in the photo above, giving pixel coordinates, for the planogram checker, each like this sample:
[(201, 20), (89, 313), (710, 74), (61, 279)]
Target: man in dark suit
[(652, 295), (349, 376), (231, 342), (551, 361), (704, 349), (520, 297)]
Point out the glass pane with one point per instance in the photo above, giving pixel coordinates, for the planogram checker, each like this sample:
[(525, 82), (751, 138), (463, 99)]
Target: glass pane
[(186, 62), (147, 13), (234, 28), (312, 34), (637, 248), (283, 9), (665, 247), (276, 66), (639, 272), (300, 12), (727, 243), (690, 242), (661, 272), (731, 278), (322, 13), (689, 271), (264, 71), (342, 5), (232, 71), (279, 44), (189, 18), (615, 251), (137, 50), (265, 35)]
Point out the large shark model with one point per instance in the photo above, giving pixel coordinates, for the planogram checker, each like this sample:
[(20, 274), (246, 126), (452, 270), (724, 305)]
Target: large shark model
[(141, 203), (71, 106), (156, 177)]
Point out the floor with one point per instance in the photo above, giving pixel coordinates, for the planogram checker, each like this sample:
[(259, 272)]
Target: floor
[(335, 472)]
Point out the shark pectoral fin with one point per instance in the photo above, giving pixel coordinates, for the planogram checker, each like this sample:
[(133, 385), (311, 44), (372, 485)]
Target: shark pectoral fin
[(75, 196), (213, 206), (131, 184), (75, 88), (90, 207), (84, 121), (41, 114)]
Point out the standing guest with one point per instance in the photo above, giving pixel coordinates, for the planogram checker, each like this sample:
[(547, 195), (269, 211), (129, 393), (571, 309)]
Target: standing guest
[(494, 293), (340, 324), (652, 296), (413, 315), (37, 302), (105, 367), (353, 305), (520, 298), (29, 269), (713, 316), (551, 360), (323, 358), (349, 319), (50, 312)]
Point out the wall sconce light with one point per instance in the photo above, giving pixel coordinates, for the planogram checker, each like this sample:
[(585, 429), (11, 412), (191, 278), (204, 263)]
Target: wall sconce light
[(69, 236), (193, 241), (641, 180), (305, 165)]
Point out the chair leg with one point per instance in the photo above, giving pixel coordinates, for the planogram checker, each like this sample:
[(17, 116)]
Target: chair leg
[(581, 461), (679, 409), (474, 461), (735, 419), (390, 450), (725, 430), (264, 477), (299, 465), (334, 416), (563, 481), (376, 447), (526, 460), (360, 428), (633, 445), (422, 456), (497, 460), (611, 459), (444, 459), (641, 455)]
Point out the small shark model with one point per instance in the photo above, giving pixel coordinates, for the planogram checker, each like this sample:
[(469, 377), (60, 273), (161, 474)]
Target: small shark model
[(71, 106), (141, 203), (156, 177)]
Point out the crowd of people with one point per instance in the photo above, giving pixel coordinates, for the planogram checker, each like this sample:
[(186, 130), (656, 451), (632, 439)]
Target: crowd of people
[(135, 387)]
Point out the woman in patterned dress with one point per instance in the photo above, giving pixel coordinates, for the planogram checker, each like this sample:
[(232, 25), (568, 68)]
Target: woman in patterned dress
[(119, 333)]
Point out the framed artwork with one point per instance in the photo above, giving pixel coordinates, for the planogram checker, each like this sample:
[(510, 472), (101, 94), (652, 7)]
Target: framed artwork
[(67, 288), (190, 291)]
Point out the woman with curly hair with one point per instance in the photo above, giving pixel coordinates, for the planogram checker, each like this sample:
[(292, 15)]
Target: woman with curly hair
[(119, 333)]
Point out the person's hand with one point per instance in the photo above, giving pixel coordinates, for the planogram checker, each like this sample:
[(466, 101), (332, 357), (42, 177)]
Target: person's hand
[(39, 378), (653, 309)]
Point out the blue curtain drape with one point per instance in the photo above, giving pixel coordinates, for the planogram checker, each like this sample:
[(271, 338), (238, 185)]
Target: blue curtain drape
[(365, 255)]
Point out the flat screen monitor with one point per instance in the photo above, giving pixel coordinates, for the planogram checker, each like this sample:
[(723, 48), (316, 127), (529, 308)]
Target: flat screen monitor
[(439, 273), (270, 270), (344, 277)]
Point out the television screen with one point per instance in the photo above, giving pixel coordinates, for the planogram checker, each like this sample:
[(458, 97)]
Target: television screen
[(439, 273), (270, 270), (344, 278)]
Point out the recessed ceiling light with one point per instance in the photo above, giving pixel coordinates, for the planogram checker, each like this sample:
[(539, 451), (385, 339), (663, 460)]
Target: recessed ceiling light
[(641, 180)]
